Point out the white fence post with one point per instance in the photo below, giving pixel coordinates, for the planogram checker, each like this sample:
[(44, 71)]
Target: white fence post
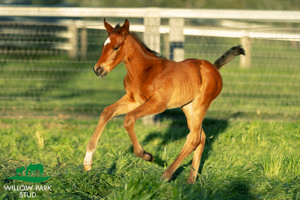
[(152, 33), (245, 61), (73, 40), (152, 40), (176, 39), (84, 43)]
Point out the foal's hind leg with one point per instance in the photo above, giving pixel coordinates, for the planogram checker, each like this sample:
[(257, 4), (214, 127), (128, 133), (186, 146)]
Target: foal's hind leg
[(188, 111), (195, 118), (123, 105), (197, 158)]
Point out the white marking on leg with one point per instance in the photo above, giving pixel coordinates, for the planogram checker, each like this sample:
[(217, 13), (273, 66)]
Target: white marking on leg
[(88, 158), (107, 41)]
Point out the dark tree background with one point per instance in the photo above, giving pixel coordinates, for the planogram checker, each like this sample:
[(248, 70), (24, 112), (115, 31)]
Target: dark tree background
[(228, 4)]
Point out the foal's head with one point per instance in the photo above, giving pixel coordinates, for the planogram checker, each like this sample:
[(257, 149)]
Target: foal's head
[(113, 52)]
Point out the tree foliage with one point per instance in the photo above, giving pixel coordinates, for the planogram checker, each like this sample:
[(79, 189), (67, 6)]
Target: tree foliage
[(215, 4)]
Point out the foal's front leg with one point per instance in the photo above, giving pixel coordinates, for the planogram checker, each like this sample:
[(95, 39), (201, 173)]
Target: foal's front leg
[(122, 106), (151, 106)]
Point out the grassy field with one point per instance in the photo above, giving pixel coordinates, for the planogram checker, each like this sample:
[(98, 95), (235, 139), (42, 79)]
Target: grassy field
[(241, 160)]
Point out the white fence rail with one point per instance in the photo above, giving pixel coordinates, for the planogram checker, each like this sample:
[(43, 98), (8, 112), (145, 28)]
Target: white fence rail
[(257, 15)]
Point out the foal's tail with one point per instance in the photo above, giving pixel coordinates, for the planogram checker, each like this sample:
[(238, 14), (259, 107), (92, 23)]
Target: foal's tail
[(229, 55)]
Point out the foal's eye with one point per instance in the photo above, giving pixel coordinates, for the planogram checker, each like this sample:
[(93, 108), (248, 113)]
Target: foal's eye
[(116, 48)]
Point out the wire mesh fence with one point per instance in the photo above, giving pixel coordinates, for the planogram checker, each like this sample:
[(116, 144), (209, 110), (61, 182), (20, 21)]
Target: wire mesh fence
[(40, 76)]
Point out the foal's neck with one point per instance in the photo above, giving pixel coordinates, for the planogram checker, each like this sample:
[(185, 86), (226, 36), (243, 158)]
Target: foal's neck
[(137, 58)]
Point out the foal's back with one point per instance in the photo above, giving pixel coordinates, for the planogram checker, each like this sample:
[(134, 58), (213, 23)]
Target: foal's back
[(181, 82)]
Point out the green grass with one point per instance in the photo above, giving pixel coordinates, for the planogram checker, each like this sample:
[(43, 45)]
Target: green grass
[(241, 160)]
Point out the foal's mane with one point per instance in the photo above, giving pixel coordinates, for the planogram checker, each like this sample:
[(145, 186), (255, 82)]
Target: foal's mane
[(154, 53)]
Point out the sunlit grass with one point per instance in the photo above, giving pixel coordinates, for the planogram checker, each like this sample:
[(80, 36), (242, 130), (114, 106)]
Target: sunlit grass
[(241, 160)]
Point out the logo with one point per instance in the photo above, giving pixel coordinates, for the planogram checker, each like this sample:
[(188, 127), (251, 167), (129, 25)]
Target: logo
[(33, 173)]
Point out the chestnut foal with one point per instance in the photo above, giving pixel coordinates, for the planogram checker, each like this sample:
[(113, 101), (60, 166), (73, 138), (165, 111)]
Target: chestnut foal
[(154, 84)]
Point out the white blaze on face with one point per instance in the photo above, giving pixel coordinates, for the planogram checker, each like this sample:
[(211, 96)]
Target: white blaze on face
[(107, 41)]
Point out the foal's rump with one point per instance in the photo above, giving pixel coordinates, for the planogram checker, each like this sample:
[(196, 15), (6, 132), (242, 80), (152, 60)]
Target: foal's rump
[(189, 79), (193, 77)]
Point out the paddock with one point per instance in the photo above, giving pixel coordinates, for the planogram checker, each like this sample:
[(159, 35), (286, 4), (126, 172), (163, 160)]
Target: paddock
[(50, 101)]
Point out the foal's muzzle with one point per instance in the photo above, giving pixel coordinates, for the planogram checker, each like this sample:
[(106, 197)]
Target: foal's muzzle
[(100, 71)]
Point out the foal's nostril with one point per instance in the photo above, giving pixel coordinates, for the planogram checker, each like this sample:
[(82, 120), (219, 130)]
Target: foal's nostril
[(98, 71)]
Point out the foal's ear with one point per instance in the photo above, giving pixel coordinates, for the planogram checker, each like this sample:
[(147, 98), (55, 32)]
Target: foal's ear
[(125, 28), (108, 27)]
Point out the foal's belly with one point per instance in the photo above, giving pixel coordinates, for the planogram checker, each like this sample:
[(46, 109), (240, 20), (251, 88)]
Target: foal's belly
[(185, 86), (182, 94), (179, 100)]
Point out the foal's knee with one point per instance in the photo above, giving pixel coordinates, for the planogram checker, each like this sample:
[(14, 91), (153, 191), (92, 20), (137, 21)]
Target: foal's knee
[(129, 121), (106, 114), (203, 137), (195, 140)]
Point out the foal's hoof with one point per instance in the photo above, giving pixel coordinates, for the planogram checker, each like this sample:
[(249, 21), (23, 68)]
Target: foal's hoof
[(165, 178), (191, 180), (87, 167), (148, 157)]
